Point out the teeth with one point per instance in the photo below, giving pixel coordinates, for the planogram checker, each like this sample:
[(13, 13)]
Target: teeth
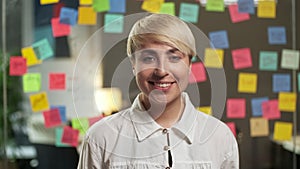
[(163, 85)]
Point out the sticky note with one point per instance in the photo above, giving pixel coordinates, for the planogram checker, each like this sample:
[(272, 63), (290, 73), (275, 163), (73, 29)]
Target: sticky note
[(282, 131), (57, 81), (52, 118), (39, 101), (236, 108), (44, 32), (31, 82), (189, 12), (205, 109), (276, 35), (42, 49), (235, 15), (85, 2), (114, 23), (298, 82), (167, 8), (256, 105), (17, 66), (93, 120), (198, 73), (86, 16), (213, 58), (45, 2), (247, 83), (268, 60), (290, 59), (101, 5), (68, 16), (270, 109), (259, 127), (152, 6), (58, 137), (219, 39), (62, 112), (232, 127), (287, 101), (117, 6), (246, 6), (70, 136), (241, 58), (215, 5), (266, 9), (29, 55), (281, 82), (59, 29), (81, 124)]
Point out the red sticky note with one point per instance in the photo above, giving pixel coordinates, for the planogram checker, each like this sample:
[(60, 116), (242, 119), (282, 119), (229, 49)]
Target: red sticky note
[(270, 109), (236, 16), (232, 127), (52, 118), (57, 81), (60, 29), (70, 136), (198, 73), (236, 108), (17, 66), (241, 58), (93, 120)]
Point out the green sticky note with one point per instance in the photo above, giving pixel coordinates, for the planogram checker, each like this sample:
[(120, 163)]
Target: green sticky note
[(189, 12), (290, 59), (215, 5), (31, 82), (113, 23), (58, 136), (299, 82), (43, 49), (81, 124), (168, 8), (268, 60), (101, 5)]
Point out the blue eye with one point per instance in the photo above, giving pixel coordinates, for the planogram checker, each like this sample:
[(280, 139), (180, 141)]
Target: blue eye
[(148, 59), (174, 58)]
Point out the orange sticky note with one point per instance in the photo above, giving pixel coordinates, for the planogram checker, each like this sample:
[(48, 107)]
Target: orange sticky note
[(57, 81), (60, 29), (266, 9), (259, 127), (87, 16), (152, 5), (282, 131), (29, 55), (52, 118), (70, 136), (236, 108), (17, 66), (287, 101), (214, 58), (39, 102), (45, 2), (198, 73), (247, 83)]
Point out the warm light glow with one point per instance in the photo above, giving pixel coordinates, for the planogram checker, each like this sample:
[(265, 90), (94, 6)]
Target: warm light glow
[(108, 100)]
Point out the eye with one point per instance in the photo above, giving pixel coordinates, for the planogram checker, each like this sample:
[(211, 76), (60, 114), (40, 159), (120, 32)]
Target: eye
[(174, 58), (147, 58)]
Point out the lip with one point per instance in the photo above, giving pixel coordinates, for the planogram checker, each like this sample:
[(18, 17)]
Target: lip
[(163, 86)]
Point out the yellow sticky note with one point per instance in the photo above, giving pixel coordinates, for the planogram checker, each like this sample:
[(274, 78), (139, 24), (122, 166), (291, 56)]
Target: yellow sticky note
[(85, 2), (39, 102), (205, 109), (214, 58), (247, 83), (167, 8), (152, 5), (30, 56), (86, 16), (282, 131), (287, 101), (266, 9), (259, 127), (44, 2)]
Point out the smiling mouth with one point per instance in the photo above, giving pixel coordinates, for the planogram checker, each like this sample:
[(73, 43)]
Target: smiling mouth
[(161, 85)]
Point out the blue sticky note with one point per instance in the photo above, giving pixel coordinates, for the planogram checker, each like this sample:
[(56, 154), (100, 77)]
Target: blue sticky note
[(246, 6), (68, 16), (189, 12), (114, 23), (117, 6), (256, 105), (281, 82), (276, 35), (219, 39), (62, 112), (299, 82), (42, 49), (268, 60)]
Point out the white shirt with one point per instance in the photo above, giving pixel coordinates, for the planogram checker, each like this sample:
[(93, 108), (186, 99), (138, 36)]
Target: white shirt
[(131, 139)]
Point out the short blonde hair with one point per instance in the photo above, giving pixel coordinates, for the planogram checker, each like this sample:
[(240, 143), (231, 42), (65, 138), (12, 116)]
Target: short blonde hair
[(161, 29)]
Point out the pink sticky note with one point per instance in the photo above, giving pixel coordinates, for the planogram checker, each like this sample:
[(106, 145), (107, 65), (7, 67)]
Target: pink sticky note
[(60, 29), (93, 120), (241, 58), (236, 16), (232, 127), (270, 109), (198, 73), (236, 108), (17, 66), (70, 136), (57, 81), (52, 118)]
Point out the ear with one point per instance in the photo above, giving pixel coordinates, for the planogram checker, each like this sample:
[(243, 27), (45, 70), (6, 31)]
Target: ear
[(133, 70)]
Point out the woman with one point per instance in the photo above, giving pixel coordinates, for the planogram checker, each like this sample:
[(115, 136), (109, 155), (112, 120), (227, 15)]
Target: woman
[(161, 129)]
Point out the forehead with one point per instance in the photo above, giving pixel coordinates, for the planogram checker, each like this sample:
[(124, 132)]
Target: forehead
[(157, 47)]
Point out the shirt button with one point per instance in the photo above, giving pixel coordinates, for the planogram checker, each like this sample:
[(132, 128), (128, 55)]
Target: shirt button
[(165, 131), (166, 148)]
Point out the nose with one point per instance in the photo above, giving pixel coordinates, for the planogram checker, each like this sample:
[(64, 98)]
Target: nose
[(161, 69)]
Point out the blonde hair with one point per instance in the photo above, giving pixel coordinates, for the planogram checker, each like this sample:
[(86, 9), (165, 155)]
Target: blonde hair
[(161, 29)]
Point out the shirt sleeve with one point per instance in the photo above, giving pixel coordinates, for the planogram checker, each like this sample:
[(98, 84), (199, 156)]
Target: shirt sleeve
[(232, 156)]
